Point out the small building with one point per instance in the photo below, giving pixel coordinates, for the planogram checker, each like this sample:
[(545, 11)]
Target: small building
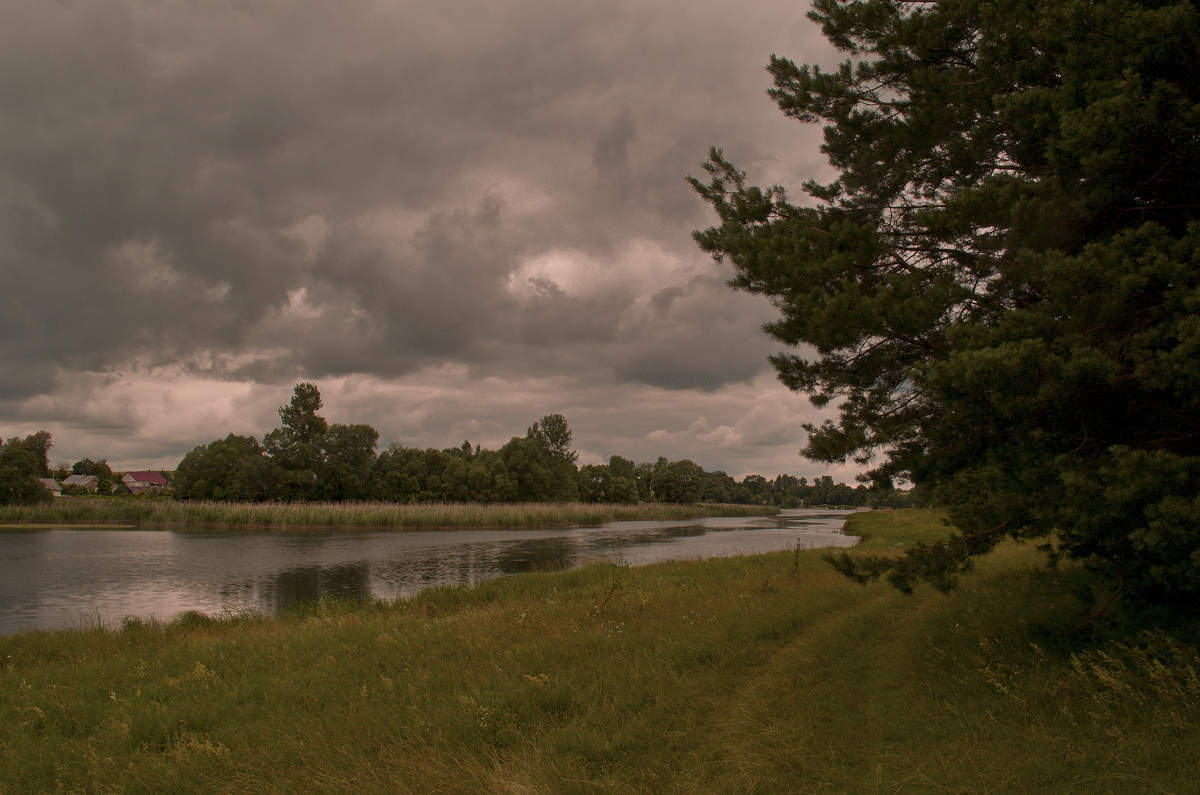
[(51, 485), (88, 483), (144, 482)]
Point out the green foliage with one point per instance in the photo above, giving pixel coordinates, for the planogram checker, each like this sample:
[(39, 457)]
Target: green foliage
[(234, 468), (552, 435), (86, 466), (999, 289), (307, 459), (100, 469), (599, 483), (17, 488), (349, 455), (535, 474), (22, 462), (679, 481), (295, 447)]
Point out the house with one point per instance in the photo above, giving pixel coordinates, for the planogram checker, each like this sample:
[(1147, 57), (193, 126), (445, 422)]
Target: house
[(144, 482), (85, 482), (51, 485)]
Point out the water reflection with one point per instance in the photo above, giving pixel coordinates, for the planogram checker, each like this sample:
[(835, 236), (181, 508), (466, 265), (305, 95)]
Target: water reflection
[(546, 554), (70, 578), (310, 583)]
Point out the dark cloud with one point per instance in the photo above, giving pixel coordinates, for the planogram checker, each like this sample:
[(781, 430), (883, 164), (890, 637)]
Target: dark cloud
[(695, 336), (610, 154), (257, 192)]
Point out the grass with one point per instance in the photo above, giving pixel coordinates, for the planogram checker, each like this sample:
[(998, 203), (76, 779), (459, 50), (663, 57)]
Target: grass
[(380, 515), (896, 530), (754, 674)]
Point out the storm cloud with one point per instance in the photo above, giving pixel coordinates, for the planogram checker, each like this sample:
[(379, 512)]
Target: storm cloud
[(454, 218)]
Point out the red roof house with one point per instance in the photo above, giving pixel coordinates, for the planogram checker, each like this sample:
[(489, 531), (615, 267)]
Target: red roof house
[(144, 482)]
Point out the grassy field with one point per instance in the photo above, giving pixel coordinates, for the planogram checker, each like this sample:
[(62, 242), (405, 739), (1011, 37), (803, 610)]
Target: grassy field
[(380, 515), (764, 674)]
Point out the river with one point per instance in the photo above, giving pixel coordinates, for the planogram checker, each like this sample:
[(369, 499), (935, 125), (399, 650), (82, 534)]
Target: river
[(75, 578)]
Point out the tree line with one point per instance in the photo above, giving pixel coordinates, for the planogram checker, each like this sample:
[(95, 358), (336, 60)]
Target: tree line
[(24, 461), (308, 458)]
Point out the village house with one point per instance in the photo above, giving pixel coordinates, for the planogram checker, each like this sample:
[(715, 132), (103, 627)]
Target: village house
[(86, 482), (51, 485), (144, 482)]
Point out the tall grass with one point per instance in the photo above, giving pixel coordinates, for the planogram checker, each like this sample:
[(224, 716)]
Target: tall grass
[(759, 674), (168, 512)]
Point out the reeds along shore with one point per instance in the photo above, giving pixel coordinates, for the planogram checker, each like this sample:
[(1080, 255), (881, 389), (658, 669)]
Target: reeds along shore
[(165, 512)]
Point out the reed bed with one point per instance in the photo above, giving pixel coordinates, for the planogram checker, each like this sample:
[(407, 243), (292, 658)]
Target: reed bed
[(336, 515)]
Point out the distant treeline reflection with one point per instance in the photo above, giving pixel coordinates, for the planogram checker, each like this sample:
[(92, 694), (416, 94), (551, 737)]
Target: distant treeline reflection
[(464, 563)]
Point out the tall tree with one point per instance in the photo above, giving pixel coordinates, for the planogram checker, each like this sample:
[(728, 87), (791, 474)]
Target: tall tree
[(553, 436), (999, 289), (296, 446)]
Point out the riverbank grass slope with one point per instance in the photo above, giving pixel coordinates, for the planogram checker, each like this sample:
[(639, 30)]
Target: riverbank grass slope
[(754, 674)]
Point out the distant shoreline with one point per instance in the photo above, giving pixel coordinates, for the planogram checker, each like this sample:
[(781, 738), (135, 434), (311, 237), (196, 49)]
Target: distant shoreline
[(168, 514)]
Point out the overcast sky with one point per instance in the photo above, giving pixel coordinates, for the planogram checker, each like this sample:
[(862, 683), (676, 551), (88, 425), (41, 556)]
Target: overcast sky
[(453, 217)]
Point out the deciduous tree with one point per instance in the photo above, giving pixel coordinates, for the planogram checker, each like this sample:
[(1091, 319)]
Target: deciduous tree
[(678, 482), (235, 468), (348, 453), (553, 436), (22, 462), (101, 469), (296, 446)]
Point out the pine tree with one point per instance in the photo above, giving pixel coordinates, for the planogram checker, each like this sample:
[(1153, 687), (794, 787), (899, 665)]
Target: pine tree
[(999, 289)]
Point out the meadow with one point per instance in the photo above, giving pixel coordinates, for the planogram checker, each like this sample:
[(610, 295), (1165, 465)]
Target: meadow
[(762, 674), (152, 512)]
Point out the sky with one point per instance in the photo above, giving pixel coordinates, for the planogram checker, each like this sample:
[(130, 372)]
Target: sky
[(454, 218)]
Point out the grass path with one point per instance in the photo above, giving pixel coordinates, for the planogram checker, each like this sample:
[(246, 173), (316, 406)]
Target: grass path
[(762, 674)]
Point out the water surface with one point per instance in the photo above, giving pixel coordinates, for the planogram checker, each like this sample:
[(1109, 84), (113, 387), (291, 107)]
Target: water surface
[(67, 577)]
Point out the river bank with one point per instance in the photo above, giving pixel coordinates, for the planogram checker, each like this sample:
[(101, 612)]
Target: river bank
[(159, 512), (767, 673), (71, 576)]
